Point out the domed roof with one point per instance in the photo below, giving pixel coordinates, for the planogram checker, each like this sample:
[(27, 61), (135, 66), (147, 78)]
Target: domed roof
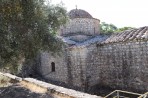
[(78, 13)]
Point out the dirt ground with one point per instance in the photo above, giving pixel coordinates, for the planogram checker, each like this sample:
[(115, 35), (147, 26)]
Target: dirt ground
[(16, 91)]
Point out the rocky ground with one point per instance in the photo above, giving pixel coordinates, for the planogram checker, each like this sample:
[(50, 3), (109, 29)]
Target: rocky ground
[(16, 91)]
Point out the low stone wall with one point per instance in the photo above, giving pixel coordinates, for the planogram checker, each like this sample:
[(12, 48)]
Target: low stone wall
[(52, 90)]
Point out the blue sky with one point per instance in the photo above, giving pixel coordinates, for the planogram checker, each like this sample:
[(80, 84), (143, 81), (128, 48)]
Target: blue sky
[(121, 13)]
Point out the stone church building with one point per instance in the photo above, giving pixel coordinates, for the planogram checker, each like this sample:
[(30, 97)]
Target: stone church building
[(118, 61)]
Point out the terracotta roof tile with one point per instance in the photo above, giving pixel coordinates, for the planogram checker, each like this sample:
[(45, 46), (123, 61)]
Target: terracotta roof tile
[(128, 35)]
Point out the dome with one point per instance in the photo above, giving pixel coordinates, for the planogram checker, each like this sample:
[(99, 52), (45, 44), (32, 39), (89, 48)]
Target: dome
[(78, 13)]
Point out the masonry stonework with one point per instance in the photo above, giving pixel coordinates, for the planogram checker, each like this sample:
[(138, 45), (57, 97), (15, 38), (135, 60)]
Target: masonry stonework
[(118, 61), (87, 26), (60, 73), (121, 65)]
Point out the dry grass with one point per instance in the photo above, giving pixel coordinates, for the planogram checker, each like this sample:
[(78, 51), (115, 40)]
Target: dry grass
[(33, 87), (4, 81)]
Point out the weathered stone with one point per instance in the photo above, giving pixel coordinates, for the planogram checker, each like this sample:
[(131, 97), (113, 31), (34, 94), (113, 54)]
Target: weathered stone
[(119, 61)]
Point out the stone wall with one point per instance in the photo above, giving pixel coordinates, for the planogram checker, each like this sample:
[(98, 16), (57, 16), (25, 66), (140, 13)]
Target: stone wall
[(42, 87), (70, 67), (77, 60), (115, 65), (92, 72), (81, 25), (119, 65), (60, 74)]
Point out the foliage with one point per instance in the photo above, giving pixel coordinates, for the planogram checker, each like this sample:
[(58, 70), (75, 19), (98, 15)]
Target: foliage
[(107, 28), (110, 28), (27, 27), (124, 28)]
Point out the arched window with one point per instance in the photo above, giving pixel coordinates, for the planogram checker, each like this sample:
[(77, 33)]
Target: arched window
[(30, 75), (52, 66)]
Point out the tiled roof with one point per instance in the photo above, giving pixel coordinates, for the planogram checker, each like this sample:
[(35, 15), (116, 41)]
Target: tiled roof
[(66, 40), (128, 35), (78, 13), (96, 39)]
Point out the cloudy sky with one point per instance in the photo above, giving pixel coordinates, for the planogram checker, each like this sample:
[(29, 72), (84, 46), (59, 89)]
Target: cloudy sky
[(121, 13)]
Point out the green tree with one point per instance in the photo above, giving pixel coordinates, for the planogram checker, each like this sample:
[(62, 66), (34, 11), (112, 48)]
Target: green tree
[(124, 28), (27, 27), (110, 28), (107, 28)]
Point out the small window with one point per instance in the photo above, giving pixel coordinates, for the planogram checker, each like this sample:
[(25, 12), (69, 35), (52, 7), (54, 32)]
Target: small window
[(52, 66), (30, 75)]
